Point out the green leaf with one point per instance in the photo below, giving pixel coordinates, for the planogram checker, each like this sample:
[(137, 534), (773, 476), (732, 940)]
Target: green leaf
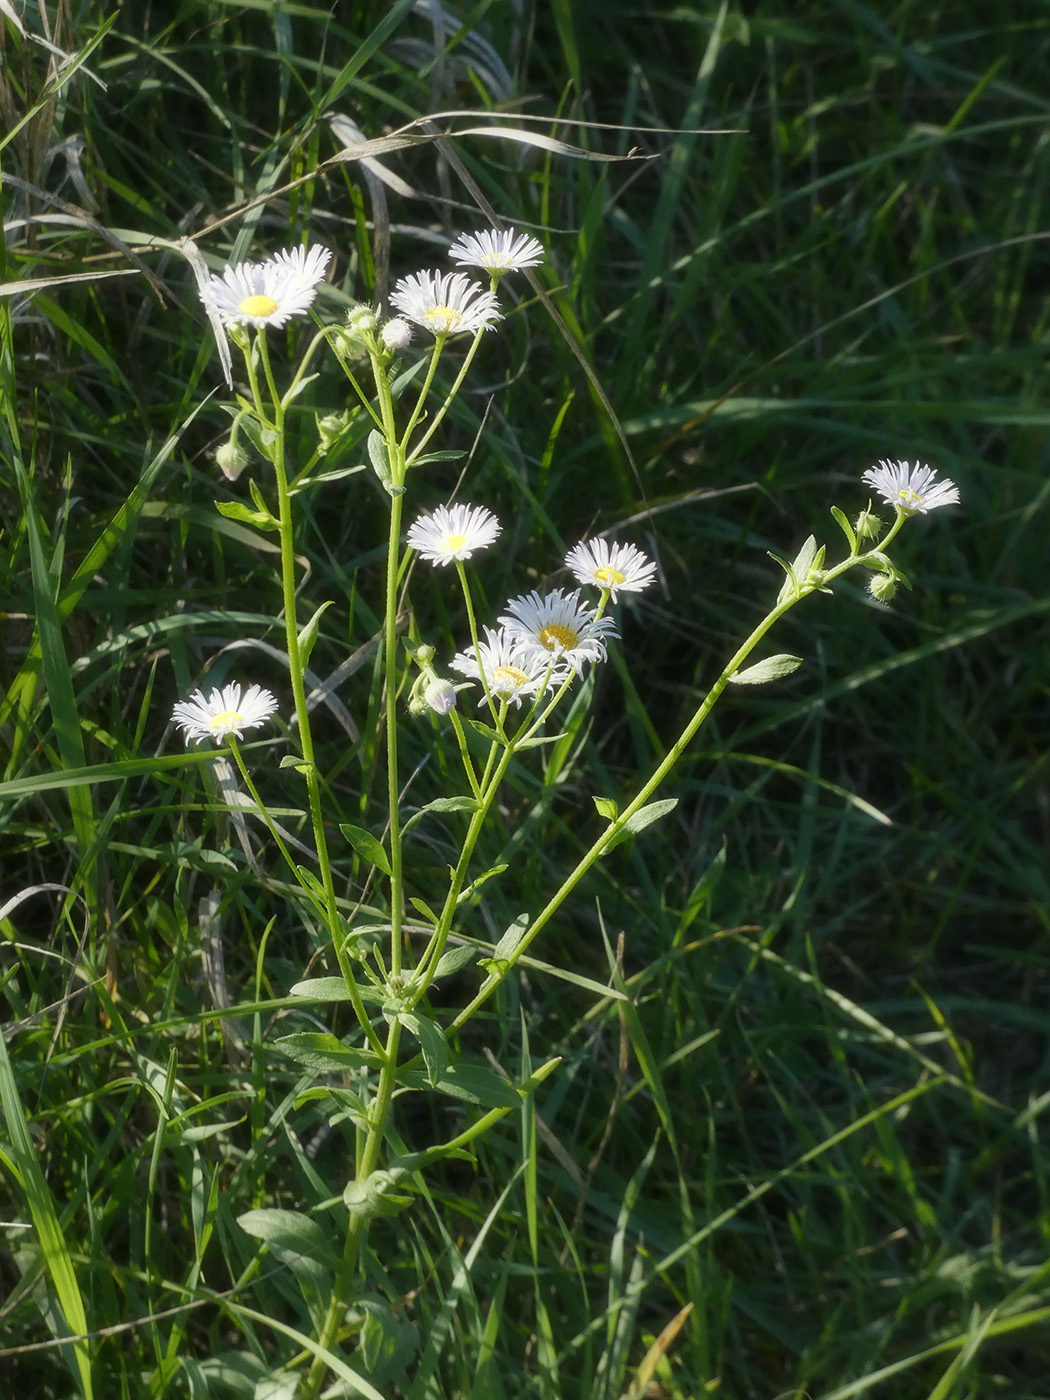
[(19, 1154), (450, 804), (431, 1041), (367, 846), (422, 907), (236, 510), (487, 732), (321, 989), (303, 1247), (313, 884), (323, 1052), (324, 478), (538, 740), (293, 1234), (260, 500), (453, 960), (292, 760), (449, 455), (188, 853), (379, 456), (475, 1084), (497, 964), (476, 885), (441, 804), (374, 1196), (846, 528), (638, 821), (771, 669), (308, 636), (607, 807)]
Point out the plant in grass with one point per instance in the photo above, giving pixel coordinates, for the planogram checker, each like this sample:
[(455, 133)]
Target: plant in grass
[(525, 668)]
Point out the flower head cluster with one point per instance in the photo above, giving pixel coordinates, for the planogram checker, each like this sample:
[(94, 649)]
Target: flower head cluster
[(223, 712), (558, 625), (619, 568), (445, 303), (497, 251), (453, 532), (267, 293), (512, 669), (912, 489)]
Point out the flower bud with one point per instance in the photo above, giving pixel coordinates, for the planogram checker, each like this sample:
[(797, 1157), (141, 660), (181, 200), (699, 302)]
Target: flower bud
[(441, 696), (424, 654), (882, 588), (396, 334), (240, 336), (330, 429), (232, 461), (361, 320), (868, 526)]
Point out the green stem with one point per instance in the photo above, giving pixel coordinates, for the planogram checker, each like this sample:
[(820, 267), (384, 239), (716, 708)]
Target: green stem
[(448, 397), (295, 669), (377, 1120), (614, 828), (393, 787)]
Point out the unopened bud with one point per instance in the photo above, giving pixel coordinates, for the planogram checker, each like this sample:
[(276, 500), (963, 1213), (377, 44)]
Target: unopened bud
[(441, 696), (868, 526), (396, 334), (882, 588), (331, 428), (240, 336), (424, 654), (232, 461), (361, 319)]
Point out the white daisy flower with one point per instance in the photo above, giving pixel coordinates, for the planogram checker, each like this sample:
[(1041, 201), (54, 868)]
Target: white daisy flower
[(445, 303), (454, 533), (512, 671), (223, 712), (559, 625), (268, 293), (911, 489), (497, 251), (613, 566)]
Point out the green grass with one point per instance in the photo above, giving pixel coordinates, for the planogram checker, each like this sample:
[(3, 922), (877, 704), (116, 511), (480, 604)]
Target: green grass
[(803, 1128)]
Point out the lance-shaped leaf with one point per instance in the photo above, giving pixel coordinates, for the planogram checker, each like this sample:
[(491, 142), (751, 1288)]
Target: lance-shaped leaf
[(321, 1051), (497, 964), (846, 528), (308, 636), (321, 989), (431, 1041), (366, 845), (453, 960), (379, 456), (638, 821), (771, 669), (237, 510)]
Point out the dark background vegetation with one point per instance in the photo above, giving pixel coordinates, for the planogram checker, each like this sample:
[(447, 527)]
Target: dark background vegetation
[(830, 1077)]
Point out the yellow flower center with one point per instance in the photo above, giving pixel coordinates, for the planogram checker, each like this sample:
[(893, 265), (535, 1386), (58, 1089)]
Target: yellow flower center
[(452, 544), (226, 720), (442, 318), (609, 577), (908, 499), (557, 634), (508, 678), (257, 305)]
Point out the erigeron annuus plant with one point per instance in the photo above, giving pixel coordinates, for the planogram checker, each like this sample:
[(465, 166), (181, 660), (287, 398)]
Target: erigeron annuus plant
[(513, 675)]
